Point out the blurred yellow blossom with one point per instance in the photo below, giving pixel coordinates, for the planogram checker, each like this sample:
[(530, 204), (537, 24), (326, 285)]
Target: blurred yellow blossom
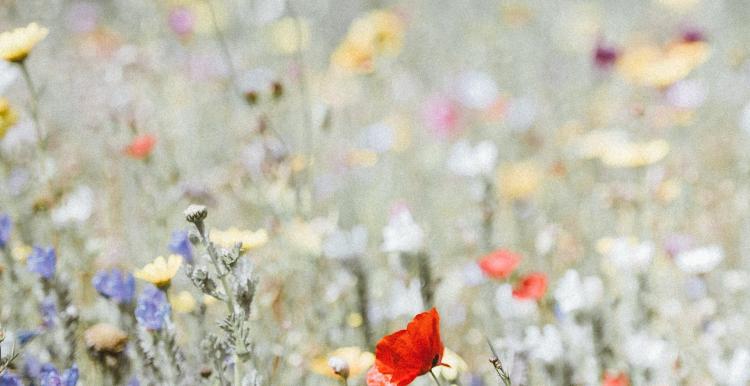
[(359, 361), (361, 158), (353, 57), (519, 180), (21, 252), (15, 45), (8, 117), (161, 271), (290, 35), (248, 239), (456, 363), (635, 154), (183, 302), (380, 32), (650, 65)]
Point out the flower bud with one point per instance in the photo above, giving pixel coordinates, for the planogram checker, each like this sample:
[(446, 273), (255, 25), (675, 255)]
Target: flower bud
[(339, 366)]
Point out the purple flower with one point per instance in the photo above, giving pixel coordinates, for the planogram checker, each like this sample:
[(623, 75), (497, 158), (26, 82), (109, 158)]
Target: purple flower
[(180, 245), (70, 376), (5, 226), (48, 308), (134, 382), (115, 284), (181, 21), (152, 309), (10, 379), (49, 376), (42, 261), (605, 56)]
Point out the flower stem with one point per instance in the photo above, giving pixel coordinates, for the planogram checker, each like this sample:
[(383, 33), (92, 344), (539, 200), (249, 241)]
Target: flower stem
[(435, 377), (34, 105), (222, 44)]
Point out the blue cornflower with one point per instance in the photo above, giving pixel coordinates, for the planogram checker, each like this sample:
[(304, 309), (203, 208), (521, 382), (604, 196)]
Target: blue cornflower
[(5, 227), (10, 379), (180, 244), (70, 376), (49, 376), (152, 309), (42, 261), (26, 336), (115, 284), (48, 308)]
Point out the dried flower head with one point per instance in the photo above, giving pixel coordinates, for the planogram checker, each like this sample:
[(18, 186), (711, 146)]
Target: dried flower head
[(196, 213), (105, 338), (15, 45)]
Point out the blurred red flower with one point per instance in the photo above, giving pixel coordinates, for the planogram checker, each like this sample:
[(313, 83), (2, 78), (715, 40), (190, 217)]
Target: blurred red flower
[(532, 286), (619, 379), (407, 354), (500, 263), (141, 146)]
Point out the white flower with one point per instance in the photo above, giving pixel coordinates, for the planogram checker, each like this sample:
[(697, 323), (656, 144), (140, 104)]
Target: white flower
[(645, 351), (75, 208), (342, 244), (572, 294), (8, 75), (545, 345), (627, 253), (402, 234), (700, 260), (406, 298), (509, 307), (687, 94), (473, 161), (476, 90), (735, 372)]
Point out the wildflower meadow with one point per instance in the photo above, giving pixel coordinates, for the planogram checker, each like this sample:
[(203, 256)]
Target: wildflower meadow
[(374, 192)]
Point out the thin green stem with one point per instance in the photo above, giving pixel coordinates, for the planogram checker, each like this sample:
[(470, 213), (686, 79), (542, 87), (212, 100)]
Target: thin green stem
[(435, 377), (222, 44), (34, 105)]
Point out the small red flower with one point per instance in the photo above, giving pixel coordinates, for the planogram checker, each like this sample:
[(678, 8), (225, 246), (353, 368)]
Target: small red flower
[(532, 287), (407, 354), (500, 263), (141, 146), (612, 379)]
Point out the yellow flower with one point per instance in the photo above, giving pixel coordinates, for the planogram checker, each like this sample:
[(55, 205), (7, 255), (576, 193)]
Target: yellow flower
[(290, 35), (456, 363), (383, 30), (15, 45), (519, 180), (635, 154), (248, 239), (354, 57), (8, 117), (649, 65), (359, 361), (161, 271), (183, 302), (21, 252)]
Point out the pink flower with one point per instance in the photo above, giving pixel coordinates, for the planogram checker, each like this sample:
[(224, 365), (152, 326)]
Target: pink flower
[(441, 116), (181, 20), (500, 263)]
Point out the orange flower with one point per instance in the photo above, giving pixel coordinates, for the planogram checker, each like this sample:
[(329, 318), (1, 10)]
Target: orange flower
[(407, 354), (532, 286), (500, 263), (141, 146), (612, 379)]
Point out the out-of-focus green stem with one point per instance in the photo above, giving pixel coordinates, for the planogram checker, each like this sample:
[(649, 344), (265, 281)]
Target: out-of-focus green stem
[(34, 106)]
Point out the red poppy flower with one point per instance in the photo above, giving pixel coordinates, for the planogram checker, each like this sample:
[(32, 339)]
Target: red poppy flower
[(141, 146), (619, 379), (500, 263), (376, 378), (407, 354), (532, 286)]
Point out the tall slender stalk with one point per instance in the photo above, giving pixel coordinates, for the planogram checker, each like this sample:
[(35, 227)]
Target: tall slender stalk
[(34, 105)]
